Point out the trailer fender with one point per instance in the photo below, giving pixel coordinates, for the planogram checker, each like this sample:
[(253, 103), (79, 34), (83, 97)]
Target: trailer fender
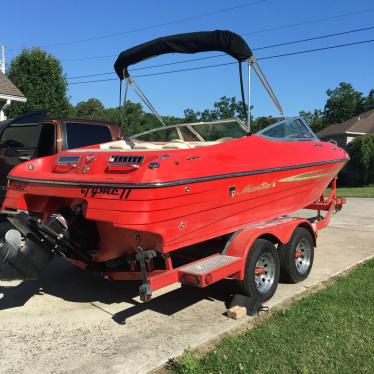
[(278, 231)]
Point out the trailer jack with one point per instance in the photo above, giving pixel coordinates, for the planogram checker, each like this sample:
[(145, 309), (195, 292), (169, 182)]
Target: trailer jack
[(144, 257)]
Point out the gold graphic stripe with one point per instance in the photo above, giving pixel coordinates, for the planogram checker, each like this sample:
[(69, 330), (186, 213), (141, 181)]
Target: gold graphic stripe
[(306, 176)]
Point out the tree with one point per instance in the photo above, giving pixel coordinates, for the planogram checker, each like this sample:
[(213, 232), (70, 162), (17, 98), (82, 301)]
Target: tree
[(39, 76), (316, 119), (191, 116), (361, 150), (90, 109), (71, 111), (134, 119), (260, 123), (343, 103), (226, 107), (369, 101)]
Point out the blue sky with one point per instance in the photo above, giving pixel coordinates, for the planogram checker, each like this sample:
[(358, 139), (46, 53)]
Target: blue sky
[(299, 81)]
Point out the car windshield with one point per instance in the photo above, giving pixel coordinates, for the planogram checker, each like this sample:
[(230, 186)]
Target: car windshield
[(196, 132)]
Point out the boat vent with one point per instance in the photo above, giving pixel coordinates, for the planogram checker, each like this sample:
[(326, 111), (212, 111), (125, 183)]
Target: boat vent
[(119, 159)]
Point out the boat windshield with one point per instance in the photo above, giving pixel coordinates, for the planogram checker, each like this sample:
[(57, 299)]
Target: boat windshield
[(195, 132), (291, 129)]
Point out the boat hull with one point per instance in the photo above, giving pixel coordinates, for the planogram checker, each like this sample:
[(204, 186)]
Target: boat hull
[(170, 217)]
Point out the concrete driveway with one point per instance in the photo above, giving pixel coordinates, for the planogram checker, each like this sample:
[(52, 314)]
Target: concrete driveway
[(71, 321)]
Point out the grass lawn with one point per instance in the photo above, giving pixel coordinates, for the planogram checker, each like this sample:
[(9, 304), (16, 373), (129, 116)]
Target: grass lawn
[(331, 331), (356, 191)]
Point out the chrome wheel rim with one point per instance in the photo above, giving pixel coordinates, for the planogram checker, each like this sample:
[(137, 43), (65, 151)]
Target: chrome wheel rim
[(265, 273), (303, 255)]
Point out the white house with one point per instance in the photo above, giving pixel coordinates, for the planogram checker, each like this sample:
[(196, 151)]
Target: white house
[(343, 133), (8, 93)]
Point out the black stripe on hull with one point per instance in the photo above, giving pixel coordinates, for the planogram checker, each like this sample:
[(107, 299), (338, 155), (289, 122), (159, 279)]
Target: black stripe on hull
[(173, 183)]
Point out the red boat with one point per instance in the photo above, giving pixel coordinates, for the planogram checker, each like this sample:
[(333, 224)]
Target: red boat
[(133, 208)]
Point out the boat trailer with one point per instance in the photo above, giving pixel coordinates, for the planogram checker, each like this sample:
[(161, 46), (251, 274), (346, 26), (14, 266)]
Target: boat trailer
[(51, 239)]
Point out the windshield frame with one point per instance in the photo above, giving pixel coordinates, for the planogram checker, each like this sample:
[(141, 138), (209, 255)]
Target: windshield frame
[(190, 127)]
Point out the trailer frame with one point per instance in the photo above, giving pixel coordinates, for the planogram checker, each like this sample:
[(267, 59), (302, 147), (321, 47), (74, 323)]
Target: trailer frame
[(231, 261)]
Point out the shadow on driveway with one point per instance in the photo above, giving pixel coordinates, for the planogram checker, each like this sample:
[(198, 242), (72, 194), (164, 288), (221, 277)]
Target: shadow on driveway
[(67, 282)]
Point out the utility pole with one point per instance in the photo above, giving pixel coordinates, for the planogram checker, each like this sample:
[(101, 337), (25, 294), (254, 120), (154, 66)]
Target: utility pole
[(2, 67), (3, 59)]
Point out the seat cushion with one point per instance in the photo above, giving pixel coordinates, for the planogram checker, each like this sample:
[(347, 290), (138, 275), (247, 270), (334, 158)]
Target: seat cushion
[(119, 144), (176, 145), (147, 146)]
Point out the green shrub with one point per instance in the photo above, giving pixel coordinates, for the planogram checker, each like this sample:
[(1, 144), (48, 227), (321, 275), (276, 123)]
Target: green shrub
[(361, 151)]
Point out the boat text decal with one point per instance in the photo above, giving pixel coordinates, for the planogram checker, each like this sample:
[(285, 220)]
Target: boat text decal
[(122, 193), (252, 188), (17, 186)]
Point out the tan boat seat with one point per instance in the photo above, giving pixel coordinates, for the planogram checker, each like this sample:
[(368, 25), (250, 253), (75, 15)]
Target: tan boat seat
[(150, 146), (119, 144), (177, 145), (203, 144)]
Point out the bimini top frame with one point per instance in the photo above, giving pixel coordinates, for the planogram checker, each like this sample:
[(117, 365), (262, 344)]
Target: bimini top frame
[(218, 40)]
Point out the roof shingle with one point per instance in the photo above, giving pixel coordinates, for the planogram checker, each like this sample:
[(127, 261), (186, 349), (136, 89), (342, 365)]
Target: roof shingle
[(8, 88), (362, 124)]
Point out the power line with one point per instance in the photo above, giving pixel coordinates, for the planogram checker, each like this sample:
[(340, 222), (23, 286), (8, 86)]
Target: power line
[(316, 38), (87, 58), (234, 62), (282, 27), (223, 54), (202, 15), (317, 49), (310, 21)]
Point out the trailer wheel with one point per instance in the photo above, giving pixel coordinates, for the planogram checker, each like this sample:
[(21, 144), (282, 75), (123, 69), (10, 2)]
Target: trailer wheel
[(261, 272), (296, 257)]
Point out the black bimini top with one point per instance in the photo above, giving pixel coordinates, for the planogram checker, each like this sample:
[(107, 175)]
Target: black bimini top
[(194, 42)]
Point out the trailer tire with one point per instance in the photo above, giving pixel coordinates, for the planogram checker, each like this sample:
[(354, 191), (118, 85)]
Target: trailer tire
[(261, 286), (296, 257)]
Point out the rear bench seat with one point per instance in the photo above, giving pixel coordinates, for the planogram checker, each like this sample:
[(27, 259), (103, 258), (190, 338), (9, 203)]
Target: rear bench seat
[(121, 144)]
